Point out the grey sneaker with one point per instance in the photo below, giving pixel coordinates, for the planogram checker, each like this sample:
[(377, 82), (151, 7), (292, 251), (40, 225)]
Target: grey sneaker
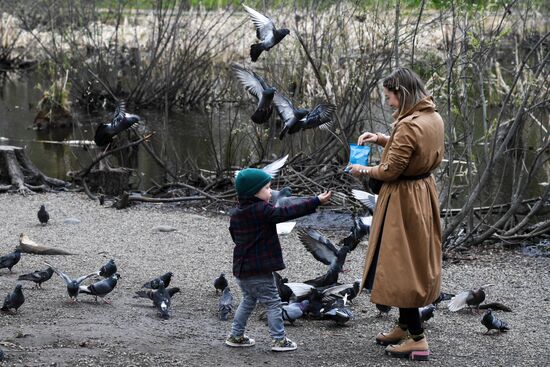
[(239, 341), (283, 345)]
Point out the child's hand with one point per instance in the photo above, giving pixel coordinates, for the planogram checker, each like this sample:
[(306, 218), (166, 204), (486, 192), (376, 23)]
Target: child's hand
[(325, 197)]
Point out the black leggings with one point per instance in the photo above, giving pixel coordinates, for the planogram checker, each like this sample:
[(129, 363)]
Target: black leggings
[(411, 318)]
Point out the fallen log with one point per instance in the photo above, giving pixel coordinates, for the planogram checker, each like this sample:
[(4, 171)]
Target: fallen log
[(28, 246)]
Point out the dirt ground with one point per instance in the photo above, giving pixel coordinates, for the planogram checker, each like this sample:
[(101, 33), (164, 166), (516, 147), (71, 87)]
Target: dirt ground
[(48, 330)]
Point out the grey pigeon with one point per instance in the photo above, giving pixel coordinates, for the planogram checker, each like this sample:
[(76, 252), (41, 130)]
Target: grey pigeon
[(338, 312), (148, 293), (272, 168), (38, 276), (284, 198), (121, 121), (320, 116), (294, 311), (108, 269), (225, 304), (443, 297), (73, 286), (259, 89), (361, 228), (368, 200), (266, 32), (154, 283), (491, 322), (341, 290), (220, 283), (383, 309), (426, 312), (43, 215), (9, 260), (162, 300), (101, 288), (468, 298), (14, 299)]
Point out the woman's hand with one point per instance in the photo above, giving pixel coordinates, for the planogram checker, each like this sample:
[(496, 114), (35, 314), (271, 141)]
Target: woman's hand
[(367, 138), (325, 197), (356, 170)]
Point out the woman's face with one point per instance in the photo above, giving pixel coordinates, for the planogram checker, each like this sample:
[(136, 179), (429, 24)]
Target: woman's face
[(391, 98)]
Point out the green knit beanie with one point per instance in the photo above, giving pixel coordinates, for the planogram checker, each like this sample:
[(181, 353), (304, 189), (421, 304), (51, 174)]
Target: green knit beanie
[(251, 180)]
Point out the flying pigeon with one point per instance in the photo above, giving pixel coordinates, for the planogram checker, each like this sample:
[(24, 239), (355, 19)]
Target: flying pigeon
[(468, 298), (296, 119), (101, 288), (43, 215), (266, 32), (121, 121), (154, 283), (259, 89), (368, 200), (73, 286), (491, 322), (108, 269), (272, 168), (220, 283), (9, 260), (284, 290), (14, 299), (38, 276), (361, 228), (283, 197), (225, 304)]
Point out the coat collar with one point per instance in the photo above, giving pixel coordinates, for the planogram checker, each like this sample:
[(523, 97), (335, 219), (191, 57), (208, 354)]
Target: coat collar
[(425, 104)]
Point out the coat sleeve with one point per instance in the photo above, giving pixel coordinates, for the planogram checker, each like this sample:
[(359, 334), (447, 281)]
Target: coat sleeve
[(399, 154), (284, 213)]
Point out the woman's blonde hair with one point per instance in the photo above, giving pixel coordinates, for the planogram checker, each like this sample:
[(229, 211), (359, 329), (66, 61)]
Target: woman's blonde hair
[(408, 86)]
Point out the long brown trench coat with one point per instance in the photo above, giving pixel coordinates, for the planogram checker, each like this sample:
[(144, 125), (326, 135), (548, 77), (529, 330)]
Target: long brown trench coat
[(406, 223)]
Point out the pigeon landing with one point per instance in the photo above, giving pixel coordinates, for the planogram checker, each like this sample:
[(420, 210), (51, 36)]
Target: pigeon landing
[(101, 288), (284, 197), (468, 298), (121, 121), (259, 89), (220, 283), (43, 215), (272, 168), (266, 32), (14, 299), (491, 322), (10, 260), (38, 276), (225, 304), (73, 286), (108, 269), (366, 199), (154, 283)]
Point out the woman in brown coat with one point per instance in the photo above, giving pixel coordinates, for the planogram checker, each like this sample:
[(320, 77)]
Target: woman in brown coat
[(403, 262)]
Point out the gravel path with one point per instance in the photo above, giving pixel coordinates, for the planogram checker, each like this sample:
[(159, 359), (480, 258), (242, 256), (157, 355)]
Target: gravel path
[(48, 330)]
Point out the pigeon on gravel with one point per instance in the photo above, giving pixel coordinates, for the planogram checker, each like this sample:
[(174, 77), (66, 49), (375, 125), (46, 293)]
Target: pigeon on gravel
[(338, 312), (220, 283), (148, 293), (443, 297), (284, 291), (259, 89), (266, 32), (73, 286), (121, 121), (383, 309), (491, 322), (10, 260), (43, 215), (38, 276), (108, 269), (468, 298), (154, 283), (162, 300), (14, 299), (101, 288), (225, 304), (426, 312)]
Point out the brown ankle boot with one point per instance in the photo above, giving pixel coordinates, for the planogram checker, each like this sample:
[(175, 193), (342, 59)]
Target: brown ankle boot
[(409, 348), (393, 337)]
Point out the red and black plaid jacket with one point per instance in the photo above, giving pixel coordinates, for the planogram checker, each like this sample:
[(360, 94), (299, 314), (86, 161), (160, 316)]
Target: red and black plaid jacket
[(252, 226)]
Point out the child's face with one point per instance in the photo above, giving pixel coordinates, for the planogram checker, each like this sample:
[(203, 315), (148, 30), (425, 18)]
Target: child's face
[(265, 193)]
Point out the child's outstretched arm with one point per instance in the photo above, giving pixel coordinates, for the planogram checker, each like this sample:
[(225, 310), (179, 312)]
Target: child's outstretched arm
[(305, 207)]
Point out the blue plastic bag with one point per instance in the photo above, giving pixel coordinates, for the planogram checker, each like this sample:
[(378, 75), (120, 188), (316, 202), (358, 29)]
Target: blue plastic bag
[(359, 154)]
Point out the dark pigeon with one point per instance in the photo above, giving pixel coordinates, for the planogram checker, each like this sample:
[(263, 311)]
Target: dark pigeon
[(491, 322), (121, 121), (284, 291), (259, 89), (148, 293), (426, 312), (10, 260), (73, 286), (443, 297), (1, 355), (384, 310), (154, 283), (341, 290), (266, 32), (220, 283), (162, 300), (43, 215), (101, 288), (320, 116), (360, 229), (225, 304), (14, 299), (108, 269), (468, 298), (38, 276), (338, 312)]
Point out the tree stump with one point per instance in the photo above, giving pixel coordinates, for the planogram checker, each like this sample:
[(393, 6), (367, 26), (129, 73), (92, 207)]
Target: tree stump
[(18, 173)]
